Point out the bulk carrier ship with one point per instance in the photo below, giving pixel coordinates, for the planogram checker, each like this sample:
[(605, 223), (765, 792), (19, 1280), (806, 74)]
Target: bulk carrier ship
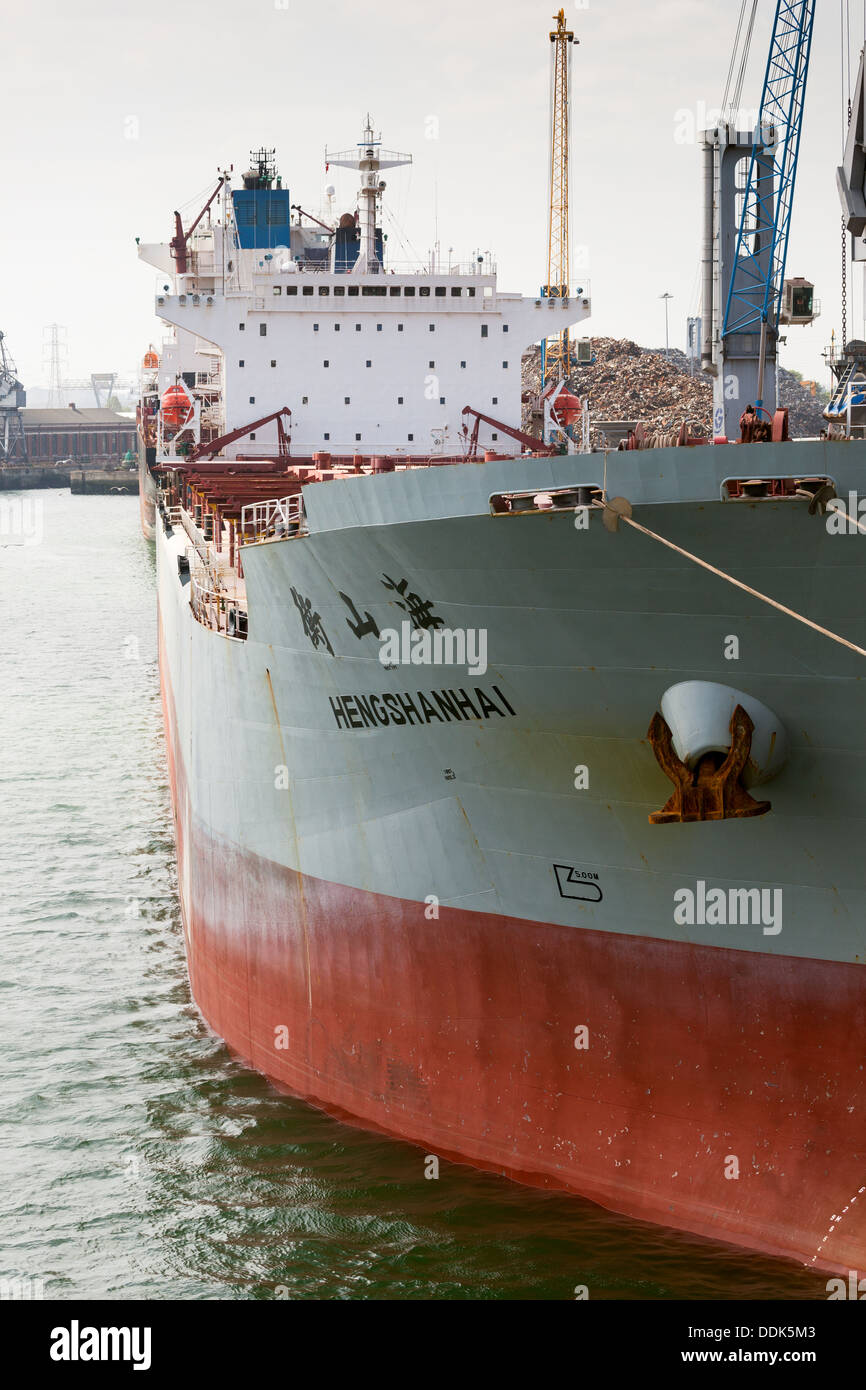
[(518, 789)]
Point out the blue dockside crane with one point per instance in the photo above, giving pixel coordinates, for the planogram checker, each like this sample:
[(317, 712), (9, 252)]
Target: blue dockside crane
[(759, 207)]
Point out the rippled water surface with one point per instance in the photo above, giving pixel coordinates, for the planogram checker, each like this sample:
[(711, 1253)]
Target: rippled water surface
[(138, 1158)]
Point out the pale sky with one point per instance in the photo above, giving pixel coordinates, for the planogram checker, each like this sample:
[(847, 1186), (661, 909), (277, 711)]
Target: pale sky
[(116, 113)]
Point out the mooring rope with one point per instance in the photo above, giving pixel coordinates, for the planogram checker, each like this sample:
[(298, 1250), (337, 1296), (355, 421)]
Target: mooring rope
[(738, 583)]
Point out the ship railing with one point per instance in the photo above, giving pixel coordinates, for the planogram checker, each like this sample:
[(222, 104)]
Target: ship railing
[(279, 517), (201, 263), (279, 266), (487, 266), (216, 573), (217, 610), (200, 545)]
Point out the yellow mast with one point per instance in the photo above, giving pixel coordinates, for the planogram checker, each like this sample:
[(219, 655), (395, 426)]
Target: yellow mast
[(557, 350)]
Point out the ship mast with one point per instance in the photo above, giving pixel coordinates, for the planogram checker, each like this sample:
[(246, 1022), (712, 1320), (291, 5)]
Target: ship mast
[(369, 160)]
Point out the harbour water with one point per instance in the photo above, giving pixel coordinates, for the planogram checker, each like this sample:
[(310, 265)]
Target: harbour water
[(139, 1158)]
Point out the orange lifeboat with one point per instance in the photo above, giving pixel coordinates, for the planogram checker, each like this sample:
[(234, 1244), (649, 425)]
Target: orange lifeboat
[(151, 360), (567, 408), (176, 406)]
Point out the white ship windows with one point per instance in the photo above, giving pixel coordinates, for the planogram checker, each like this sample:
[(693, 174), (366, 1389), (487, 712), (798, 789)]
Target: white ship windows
[(399, 400), (431, 363), (378, 328), (470, 290), (494, 436), (369, 363), (393, 290), (305, 400), (307, 289), (484, 330), (315, 328), (505, 328), (424, 291), (340, 289), (347, 400), (441, 400), (353, 290), (357, 439), (241, 327), (278, 289), (252, 400), (326, 436), (456, 291), (357, 328), (369, 290), (263, 330), (432, 327), (463, 364), (326, 363), (505, 365), (440, 291), (253, 435), (336, 328), (399, 328), (324, 289), (273, 361), (240, 362), (409, 291), (410, 437), (494, 400), (291, 289)]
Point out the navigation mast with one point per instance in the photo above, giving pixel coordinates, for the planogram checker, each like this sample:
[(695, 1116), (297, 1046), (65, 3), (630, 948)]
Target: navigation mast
[(370, 159)]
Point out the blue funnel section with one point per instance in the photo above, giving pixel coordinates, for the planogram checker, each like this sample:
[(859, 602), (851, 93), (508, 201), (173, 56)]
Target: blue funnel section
[(347, 245), (262, 217)]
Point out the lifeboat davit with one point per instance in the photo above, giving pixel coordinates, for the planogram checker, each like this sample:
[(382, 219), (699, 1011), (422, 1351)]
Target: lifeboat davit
[(176, 406)]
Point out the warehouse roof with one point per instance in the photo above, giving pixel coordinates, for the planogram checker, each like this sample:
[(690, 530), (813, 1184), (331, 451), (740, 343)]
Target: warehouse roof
[(64, 417)]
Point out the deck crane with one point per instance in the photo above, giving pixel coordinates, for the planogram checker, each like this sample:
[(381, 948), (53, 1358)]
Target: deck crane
[(212, 447), (556, 351), (179, 244), (529, 441), (750, 263)]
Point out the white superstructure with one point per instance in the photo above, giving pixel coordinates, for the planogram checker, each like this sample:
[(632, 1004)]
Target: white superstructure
[(370, 358)]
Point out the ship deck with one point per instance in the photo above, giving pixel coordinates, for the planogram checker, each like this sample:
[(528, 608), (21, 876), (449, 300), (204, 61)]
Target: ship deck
[(224, 504)]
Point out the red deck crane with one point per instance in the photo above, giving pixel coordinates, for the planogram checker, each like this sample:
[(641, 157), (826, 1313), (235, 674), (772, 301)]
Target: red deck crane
[(202, 451), (529, 441), (178, 243)]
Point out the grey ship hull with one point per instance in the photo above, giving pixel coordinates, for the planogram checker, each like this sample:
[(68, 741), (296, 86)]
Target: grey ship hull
[(403, 908)]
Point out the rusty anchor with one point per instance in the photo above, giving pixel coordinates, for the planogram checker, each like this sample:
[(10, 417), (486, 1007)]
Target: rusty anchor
[(711, 791)]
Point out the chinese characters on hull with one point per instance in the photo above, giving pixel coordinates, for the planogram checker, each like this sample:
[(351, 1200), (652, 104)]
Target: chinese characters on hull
[(419, 611), (312, 622), (417, 608)]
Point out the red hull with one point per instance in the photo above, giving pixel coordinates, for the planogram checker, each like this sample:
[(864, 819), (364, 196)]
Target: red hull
[(458, 1034)]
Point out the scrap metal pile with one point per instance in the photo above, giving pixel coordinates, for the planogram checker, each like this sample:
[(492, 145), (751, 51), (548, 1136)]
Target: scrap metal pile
[(652, 388), (805, 411)]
